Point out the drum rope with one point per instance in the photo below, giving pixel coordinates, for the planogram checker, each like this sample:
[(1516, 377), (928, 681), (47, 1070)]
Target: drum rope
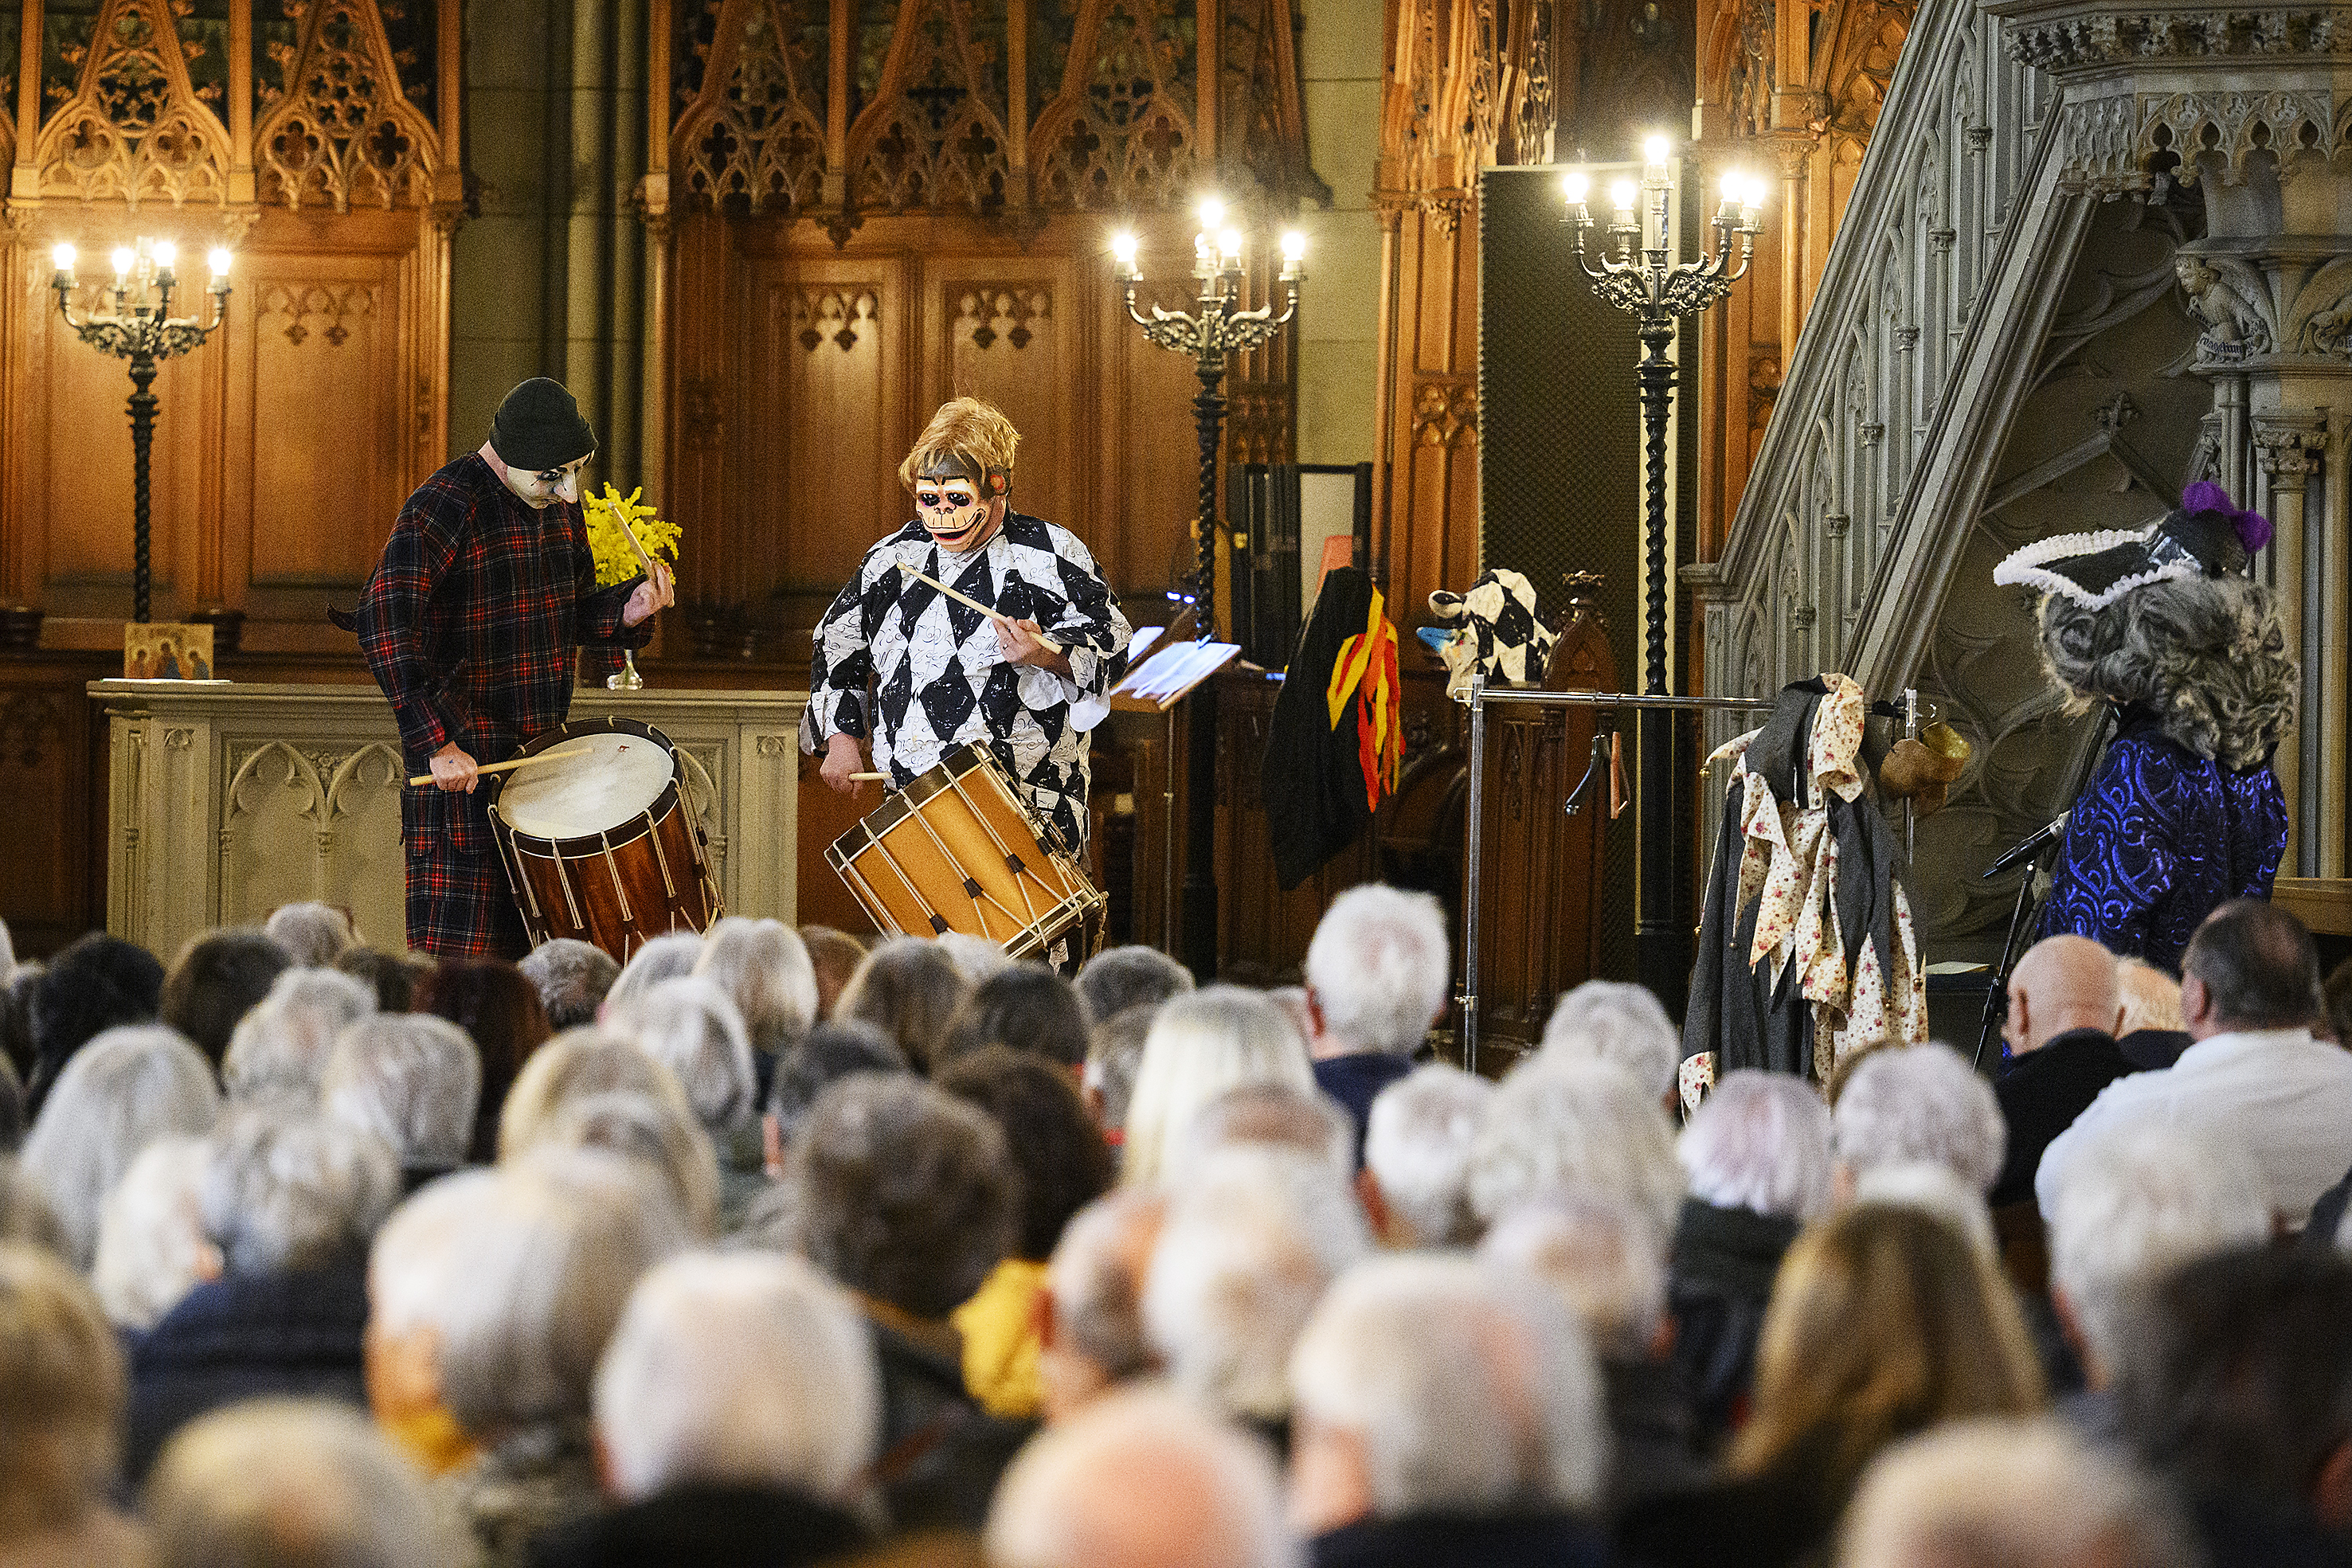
[(612, 870), (1012, 861)]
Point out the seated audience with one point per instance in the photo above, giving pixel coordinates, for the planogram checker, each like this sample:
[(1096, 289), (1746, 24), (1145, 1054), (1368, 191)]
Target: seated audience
[(1916, 1103), (279, 1050), (656, 1134), (291, 1483), (2255, 1077), (974, 958), (1118, 979), (1025, 1007), (763, 967), (25, 1217), (572, 978), (1932, 1189), (152, 1249), (1574, 1125), (125, 1089), (1378, 972), (60, 1419), (289, 1202), (392, 976), (1757, 1156), (218, 977), (1064, 1166), (12, 1103), (2010, 1493), (314, 934), (833, 957), (1417, 1144), (500, 1013), (413, 1079), (573, 1066), (1621, 1022), (2060, 1035), (1141, 1479), (1114, 1052), (1090, 1324), (1200, 1045), (411, 1279), (832, 1050), (542, 1265), (907, 988), (1883, 1322), (737, 1412), (1483, 1446), (664, 957), (96, 983), (691, 1025), (2149, 1032), (1268, 1114)]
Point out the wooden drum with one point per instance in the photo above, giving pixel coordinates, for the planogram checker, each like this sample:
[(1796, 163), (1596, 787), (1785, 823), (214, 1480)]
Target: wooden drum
[(958, 851), (604, 847)]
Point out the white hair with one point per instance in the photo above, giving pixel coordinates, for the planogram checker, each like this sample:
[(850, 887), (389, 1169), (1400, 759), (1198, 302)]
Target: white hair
[(689, 1026), (1759, 1141), (1251, 1241), (411, 1079), (1920, 1103), (1379, 967), (1118, 979), (1096, 1284), (1571, 1126), (572, 978), (2009, 1492), (292, 1190), (411, 1263), (1599, 1257), (764, 968), (574, 1064), (1200, 1045), (739, 1369), (1928, 1189), (1471, 1389), (126, 1088), (1268, 1114), (1618, 1022), (1145, 1479), (315, 934), (656, 1133), (1417, 1145), (974, 958), (279, 1048), (152, 1249), (2136, 1203), (663, 958)]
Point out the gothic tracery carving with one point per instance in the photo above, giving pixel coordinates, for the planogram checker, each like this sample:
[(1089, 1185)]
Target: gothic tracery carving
[(343, 131), (935, 134), (1120, 133), (135, 127), (755, 132)]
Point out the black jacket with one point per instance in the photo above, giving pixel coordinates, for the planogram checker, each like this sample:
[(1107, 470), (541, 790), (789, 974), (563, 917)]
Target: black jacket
[(721, 1526), (2042, 1093), (941, 1454), (1717, 1283), (1458, 1541), (1312, 775)]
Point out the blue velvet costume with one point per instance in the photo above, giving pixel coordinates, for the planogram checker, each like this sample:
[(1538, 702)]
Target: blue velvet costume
[(2159, 838)]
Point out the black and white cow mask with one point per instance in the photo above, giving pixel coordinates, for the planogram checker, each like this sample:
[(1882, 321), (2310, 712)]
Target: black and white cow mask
[(1497, 633)]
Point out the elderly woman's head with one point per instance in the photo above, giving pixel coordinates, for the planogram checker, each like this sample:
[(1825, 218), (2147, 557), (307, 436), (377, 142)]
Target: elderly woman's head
[(412, 1279), (279, 1050), (152, 1249), (908, 988), (411, 1079), (1200, 1045), (690, 1026), (1575, 1125), (286, 1191), (1761, 1141), (574, 1064), (123, 1091), (763, 967), (656, 1134), (1919, 1103), (62, 1370)]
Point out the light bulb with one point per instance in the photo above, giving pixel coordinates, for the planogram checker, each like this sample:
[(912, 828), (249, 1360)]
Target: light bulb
[(1123, 246), (1294, 246), (165, 253), (1212, 212), (219, 258), (1621, 195), (123, 257), (1575, 185), (1655, 148), (62, 255), (1230, 243)]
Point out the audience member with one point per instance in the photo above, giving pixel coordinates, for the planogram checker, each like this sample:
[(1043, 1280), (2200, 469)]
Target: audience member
[(1200, 1045), (833, 1050), (573, 1066), (500, 1013), (413, 1079), (25, 1217), (411, 1280), (737, 1411), (130, 1085), (664, 957), (1267, 1114), (152, 1249), (2255, 1079), (1118, 979), (314, 934), (2063, 1008), (1918, 1103), (656, 1134), (218, 977), (1114, 1055), (1064, 1164), (907, 988), (974, 958), (572, 978), (392, 976), (2149, 1032), (96, 983), (763, 967), (1574, 1125), (12, 1102), (291, 1483), (1417, 1144), (290, 1201), (691, 1025), (1926, 1187), (279, 1050), (1025, 1007), (1377, 975), (1090, 1325), (60, 1419), (16, 1018), (1621, 1022), (833, 957), (1483, 1446)]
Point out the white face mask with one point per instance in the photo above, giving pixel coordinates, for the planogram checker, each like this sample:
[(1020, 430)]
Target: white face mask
[(546, 486), (950, 507)]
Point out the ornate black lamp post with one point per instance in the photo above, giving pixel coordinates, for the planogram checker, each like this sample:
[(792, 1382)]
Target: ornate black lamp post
[(140, 330), (1218, 326), (1647, 276)]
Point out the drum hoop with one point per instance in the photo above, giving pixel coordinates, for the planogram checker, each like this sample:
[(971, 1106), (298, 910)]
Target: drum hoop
[(584, 846), (573, 730)]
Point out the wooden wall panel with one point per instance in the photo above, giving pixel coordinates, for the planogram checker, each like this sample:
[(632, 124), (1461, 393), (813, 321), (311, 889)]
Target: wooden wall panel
[(1004, 330)]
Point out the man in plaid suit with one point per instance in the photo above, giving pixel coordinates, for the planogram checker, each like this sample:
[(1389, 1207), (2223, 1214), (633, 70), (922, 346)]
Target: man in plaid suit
[(469, 623)]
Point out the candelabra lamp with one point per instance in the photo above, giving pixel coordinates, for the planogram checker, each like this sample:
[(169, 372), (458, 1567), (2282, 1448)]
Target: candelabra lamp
[(1641, 270), (142, 329), (1220, 324)]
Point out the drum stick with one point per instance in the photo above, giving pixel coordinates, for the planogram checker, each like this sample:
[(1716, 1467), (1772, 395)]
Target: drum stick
[(970, 602), (867, 778), (519, 762)]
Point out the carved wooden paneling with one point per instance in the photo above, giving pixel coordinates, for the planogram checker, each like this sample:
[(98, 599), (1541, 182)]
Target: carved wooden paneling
[(1006, 338), (135, 127), (342, 131), (754, 130), (54, 888), (1121, 134), (934, 135)]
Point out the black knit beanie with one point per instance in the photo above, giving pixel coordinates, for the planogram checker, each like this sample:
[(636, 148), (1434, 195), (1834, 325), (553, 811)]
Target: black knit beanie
[(539, 427)]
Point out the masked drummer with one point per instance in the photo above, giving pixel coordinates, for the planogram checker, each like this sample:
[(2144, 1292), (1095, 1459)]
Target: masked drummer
[(945, 675), (469, 622)]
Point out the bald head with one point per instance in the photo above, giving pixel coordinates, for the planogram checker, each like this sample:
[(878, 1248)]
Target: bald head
[(2063, 983), (1094, 1336)]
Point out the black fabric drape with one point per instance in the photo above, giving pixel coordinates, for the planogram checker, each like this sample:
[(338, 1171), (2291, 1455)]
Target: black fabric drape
[(1312, 780)]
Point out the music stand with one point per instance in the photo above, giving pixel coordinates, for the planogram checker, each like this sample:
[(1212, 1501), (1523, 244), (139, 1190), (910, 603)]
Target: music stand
[(1171, 670)]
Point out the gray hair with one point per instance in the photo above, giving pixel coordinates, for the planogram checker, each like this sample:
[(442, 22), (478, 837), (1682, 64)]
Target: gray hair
[(541, 1271), (1621, 1022), (413, 1263), (690, 1026), (909, 988), (25, 1216), (1141, 1465), (152, 1249), (315, 934), (1500, 1413), (1571, 1126), (574, 1064), (2132, 1206), (123, 1091), (1417, 1145), (287, 1190), (1599, 1257), (572, 978), (763, 967), (1199, 1046), (1920, 1103), (655, 1133), (1926, 1187), (1759, 1141), (1114, 1053), (280, 1049), (739, 1369), (411, 1079), (663, 958), (1098, 1293), (2011, 1492), (1379, 967), (974, 958), (1268, 1115), (2208, 655), (1118, 979), (292, 1483)]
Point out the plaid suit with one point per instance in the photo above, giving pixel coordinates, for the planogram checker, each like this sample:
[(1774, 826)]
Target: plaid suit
[(469, 623)]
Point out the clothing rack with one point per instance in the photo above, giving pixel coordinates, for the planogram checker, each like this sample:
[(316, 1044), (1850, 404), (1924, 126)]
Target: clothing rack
[(1476, 699)]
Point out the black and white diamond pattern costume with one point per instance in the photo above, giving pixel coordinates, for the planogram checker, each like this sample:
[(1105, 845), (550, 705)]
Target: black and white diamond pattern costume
[(941, 676)]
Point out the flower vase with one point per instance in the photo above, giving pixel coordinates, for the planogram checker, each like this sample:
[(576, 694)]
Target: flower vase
[(626, 678)]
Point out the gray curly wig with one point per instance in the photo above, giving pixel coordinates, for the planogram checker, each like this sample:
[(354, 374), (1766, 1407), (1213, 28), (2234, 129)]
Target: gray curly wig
[(2207, 654)]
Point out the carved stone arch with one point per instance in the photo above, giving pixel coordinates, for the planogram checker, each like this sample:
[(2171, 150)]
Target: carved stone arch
[(755, 132), (934, 134), (134, 129), (342, 131), (353, 772), (301, 774), (1120, 133)]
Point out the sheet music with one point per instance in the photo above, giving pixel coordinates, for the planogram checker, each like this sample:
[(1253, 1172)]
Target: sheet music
[(1175, 671)]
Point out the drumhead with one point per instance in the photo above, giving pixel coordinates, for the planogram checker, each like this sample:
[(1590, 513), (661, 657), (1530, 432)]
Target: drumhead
[(622, 777)]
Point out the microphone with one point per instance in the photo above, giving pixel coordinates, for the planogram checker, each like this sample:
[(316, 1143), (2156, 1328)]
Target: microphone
[(2027, 849)]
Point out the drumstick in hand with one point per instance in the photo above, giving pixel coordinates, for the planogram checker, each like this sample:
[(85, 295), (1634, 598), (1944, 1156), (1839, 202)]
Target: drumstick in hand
[(519, 762), (970, 602), (867, 778)]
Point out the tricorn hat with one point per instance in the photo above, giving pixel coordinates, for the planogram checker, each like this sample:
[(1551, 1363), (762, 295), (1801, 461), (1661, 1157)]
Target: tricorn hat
[(2205, 536)]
